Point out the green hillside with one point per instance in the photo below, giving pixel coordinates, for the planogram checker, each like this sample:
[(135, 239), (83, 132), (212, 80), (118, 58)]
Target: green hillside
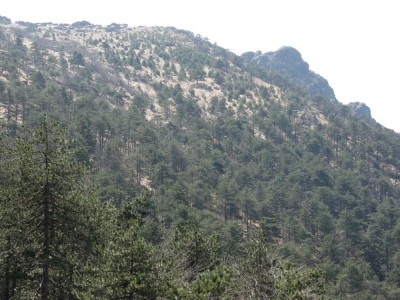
[(149, 163)]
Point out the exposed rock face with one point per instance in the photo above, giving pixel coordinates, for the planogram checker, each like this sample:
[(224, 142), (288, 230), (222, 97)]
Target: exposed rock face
[(288, 62), (360, 110)]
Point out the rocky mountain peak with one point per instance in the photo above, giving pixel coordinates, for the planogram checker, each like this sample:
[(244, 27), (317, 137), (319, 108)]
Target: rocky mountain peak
[(360, 110), (288, 62)]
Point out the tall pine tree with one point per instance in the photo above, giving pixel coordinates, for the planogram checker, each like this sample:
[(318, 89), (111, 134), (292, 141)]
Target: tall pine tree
[(48, 218)]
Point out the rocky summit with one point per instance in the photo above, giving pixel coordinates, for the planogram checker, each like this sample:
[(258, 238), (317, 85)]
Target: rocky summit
[(287, 61), (360, 110)]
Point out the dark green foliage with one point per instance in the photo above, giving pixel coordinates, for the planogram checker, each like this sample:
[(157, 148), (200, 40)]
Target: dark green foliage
[(262, 276), (39, 81), (77, 59), (47, 201), (132, 273)]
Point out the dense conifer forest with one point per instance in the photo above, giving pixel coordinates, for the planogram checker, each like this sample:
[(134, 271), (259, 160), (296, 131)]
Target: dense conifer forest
[(149, 163)]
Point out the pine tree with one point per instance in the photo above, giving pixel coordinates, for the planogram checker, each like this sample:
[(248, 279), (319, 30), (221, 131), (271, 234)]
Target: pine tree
[(132, 270), (51, 209)]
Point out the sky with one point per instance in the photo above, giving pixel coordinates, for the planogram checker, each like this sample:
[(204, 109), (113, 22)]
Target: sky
[(354, 44)]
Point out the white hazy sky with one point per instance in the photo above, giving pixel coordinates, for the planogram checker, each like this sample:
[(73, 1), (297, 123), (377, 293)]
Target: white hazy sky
[(354, 44)]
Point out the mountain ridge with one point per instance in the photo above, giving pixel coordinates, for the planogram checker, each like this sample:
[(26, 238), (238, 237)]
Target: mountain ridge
[(287, 61)]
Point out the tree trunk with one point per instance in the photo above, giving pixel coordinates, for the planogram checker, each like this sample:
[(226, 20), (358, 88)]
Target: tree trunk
[(7, 270), (225, 211), (46, 228), (46, 249)]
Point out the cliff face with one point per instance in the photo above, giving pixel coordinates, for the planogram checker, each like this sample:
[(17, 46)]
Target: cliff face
[(288, 62)]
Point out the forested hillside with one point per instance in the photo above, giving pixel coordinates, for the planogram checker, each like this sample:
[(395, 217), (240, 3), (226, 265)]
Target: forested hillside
[(145, 163)]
